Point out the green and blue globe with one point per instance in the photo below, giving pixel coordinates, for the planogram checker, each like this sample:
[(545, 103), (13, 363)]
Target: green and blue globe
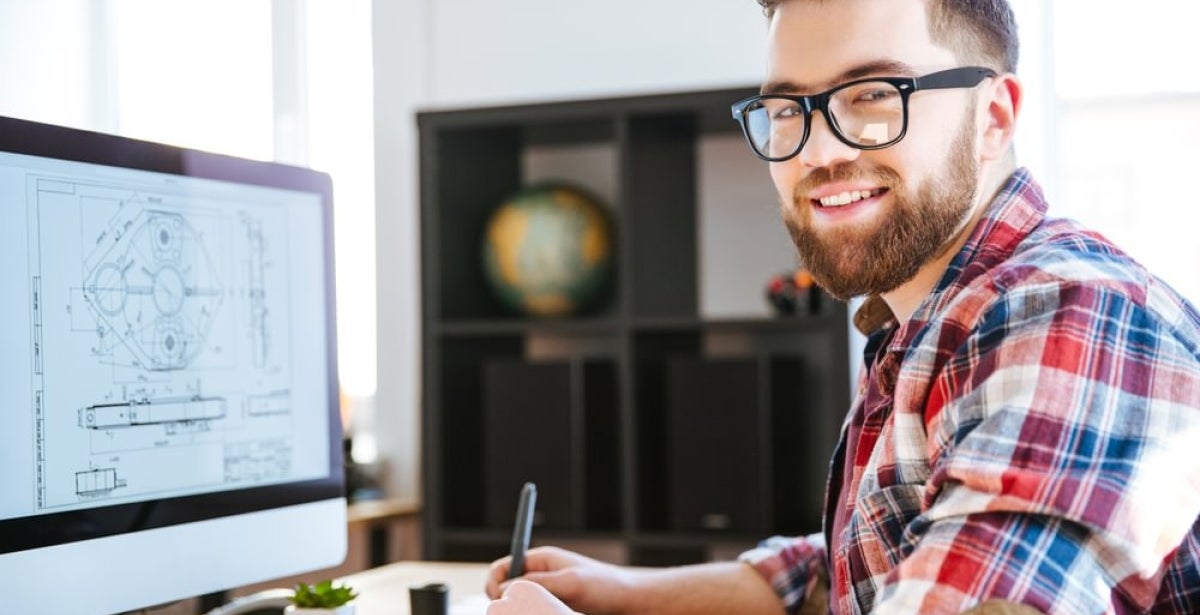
[(548, 250)]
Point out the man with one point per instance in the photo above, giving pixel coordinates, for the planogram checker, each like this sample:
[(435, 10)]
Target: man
[(1024, 438)]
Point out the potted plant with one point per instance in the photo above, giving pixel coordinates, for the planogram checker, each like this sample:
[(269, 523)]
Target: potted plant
[(321, 599)]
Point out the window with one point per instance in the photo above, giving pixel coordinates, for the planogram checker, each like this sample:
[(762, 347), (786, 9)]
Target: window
[(287, 81), (1126, 118), (341, 141), (194, 74)]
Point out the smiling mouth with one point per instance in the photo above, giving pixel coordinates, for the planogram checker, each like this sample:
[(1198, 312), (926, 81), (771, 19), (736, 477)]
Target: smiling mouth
[(845, 198)]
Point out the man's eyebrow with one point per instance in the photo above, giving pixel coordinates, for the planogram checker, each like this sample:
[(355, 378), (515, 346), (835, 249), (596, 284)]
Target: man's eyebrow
[(891, 68)]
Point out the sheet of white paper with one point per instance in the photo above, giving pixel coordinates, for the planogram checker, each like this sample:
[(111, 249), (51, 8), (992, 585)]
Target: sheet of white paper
[(471, 604)]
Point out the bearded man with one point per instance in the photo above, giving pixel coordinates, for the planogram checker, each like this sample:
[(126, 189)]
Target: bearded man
[(1025, 432)]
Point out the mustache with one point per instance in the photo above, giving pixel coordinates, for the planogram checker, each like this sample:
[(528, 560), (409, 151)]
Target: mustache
[(885, 177)]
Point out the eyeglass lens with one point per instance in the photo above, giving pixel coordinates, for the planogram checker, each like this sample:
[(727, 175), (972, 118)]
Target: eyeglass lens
[(868, 114)]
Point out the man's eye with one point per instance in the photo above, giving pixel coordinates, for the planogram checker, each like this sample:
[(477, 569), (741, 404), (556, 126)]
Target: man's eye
[(873, 95), (786, 113)]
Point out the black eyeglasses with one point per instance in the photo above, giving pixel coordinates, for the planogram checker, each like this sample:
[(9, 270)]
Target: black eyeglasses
[(864, 114)]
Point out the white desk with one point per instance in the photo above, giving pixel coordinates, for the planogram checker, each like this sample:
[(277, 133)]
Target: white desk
[(384, 590)]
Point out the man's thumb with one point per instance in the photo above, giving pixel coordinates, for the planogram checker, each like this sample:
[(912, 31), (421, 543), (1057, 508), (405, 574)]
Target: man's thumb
[(526, 587), (561, 583)]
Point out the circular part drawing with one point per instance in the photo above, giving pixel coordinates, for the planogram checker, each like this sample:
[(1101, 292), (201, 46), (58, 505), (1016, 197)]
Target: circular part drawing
[(170, 289), (157, 291), (108, 289), (170, 346), (165, 231)]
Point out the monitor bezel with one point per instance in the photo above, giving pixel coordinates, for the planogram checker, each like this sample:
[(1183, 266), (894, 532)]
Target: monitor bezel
[(25, 137)]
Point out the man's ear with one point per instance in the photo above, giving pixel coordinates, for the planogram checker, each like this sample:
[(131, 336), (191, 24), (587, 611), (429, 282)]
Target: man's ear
[(1002, 97)]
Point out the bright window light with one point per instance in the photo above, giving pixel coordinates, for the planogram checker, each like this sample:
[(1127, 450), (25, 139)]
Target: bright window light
[(203, 75), (1110, 49), (1127, 115), (194, 74), (341, 142)]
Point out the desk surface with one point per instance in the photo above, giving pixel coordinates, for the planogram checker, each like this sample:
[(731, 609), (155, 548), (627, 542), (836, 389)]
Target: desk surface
[(384, 590)]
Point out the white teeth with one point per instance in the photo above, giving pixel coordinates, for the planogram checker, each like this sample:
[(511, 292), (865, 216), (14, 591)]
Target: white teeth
[(845, 198)]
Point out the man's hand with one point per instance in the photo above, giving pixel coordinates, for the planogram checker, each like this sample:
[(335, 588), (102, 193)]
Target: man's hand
[(583, 583), (598, 588), (523, 598)]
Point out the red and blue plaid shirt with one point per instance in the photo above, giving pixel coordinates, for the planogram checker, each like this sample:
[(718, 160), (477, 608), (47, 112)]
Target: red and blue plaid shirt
[(1031, 434)]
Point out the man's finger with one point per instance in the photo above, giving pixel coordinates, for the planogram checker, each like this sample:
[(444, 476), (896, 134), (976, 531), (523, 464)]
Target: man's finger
[(520, 589)]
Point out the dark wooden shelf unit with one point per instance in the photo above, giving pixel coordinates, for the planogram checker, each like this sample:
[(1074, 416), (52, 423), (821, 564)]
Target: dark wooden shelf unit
[(643, 421)]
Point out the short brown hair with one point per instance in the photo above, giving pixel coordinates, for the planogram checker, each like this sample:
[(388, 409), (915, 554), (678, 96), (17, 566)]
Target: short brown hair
[(978, 31)]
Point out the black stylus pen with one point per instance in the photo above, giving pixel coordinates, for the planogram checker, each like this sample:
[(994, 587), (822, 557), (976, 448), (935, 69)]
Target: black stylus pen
[(520, 539)]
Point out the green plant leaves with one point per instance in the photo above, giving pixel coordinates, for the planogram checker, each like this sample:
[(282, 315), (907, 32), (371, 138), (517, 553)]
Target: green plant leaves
[(322, 595)]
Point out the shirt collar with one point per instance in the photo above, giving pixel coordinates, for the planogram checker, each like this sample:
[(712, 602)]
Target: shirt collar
[(1015, 211)]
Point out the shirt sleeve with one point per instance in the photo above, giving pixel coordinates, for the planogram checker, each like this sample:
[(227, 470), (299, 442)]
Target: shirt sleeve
[(794, 567), (1062, 436)]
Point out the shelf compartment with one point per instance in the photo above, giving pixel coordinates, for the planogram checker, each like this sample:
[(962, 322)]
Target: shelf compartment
[(602, 471), (765, 401), (667, 555), (652, 354), (524, 326), (545, 536), (555, 423), (454, 551), (529, 435), (660, 220), (487, 545), (832, 316), (471, 169), (803, 435), (458, 404), (715, 448)]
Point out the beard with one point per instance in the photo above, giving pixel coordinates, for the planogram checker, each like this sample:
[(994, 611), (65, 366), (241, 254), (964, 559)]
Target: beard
[(877, 257)]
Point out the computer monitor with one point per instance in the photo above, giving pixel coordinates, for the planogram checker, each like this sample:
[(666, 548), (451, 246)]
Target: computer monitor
[(168, 390)]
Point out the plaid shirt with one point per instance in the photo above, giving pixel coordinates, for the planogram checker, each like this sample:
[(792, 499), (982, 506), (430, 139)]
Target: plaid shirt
[(1031, 435)]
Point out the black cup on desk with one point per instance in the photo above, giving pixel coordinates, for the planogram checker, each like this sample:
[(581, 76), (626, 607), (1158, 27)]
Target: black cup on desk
[(430, 599)]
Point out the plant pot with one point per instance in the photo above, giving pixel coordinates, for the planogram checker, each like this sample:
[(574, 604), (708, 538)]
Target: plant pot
[(345, 609)]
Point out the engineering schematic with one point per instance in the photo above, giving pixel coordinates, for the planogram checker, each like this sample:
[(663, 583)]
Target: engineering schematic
[(160, 344)]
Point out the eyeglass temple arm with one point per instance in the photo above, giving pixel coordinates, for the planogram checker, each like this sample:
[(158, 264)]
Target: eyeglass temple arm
[(968, 76)]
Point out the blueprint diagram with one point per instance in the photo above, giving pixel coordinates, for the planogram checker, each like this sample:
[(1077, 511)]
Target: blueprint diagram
[(154, 287), (161, 326)]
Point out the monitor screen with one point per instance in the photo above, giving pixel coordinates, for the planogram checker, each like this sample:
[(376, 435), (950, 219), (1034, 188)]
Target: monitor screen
[(168, 392)]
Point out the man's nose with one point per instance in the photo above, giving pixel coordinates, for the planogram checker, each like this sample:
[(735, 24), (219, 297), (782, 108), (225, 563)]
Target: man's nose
[(823, 148)]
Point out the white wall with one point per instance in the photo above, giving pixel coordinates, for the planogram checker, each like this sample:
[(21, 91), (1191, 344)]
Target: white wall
[(431, 54), (400, 87), (482, 51)]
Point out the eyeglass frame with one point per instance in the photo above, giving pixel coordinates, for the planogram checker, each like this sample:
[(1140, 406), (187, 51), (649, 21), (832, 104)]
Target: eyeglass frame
[(959, 77)]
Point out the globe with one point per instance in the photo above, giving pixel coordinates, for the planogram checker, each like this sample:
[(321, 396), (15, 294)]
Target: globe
[(547, 250)]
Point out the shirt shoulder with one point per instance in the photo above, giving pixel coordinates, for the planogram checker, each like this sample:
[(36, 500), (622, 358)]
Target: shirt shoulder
[(1060, 251), (1070, 267)]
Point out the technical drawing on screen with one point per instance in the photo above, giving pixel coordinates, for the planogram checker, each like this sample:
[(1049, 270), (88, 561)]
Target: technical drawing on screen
[(168, 373), (161, 332)]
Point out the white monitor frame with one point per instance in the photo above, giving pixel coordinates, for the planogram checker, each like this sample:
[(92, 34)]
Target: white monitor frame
[(91, 552)]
